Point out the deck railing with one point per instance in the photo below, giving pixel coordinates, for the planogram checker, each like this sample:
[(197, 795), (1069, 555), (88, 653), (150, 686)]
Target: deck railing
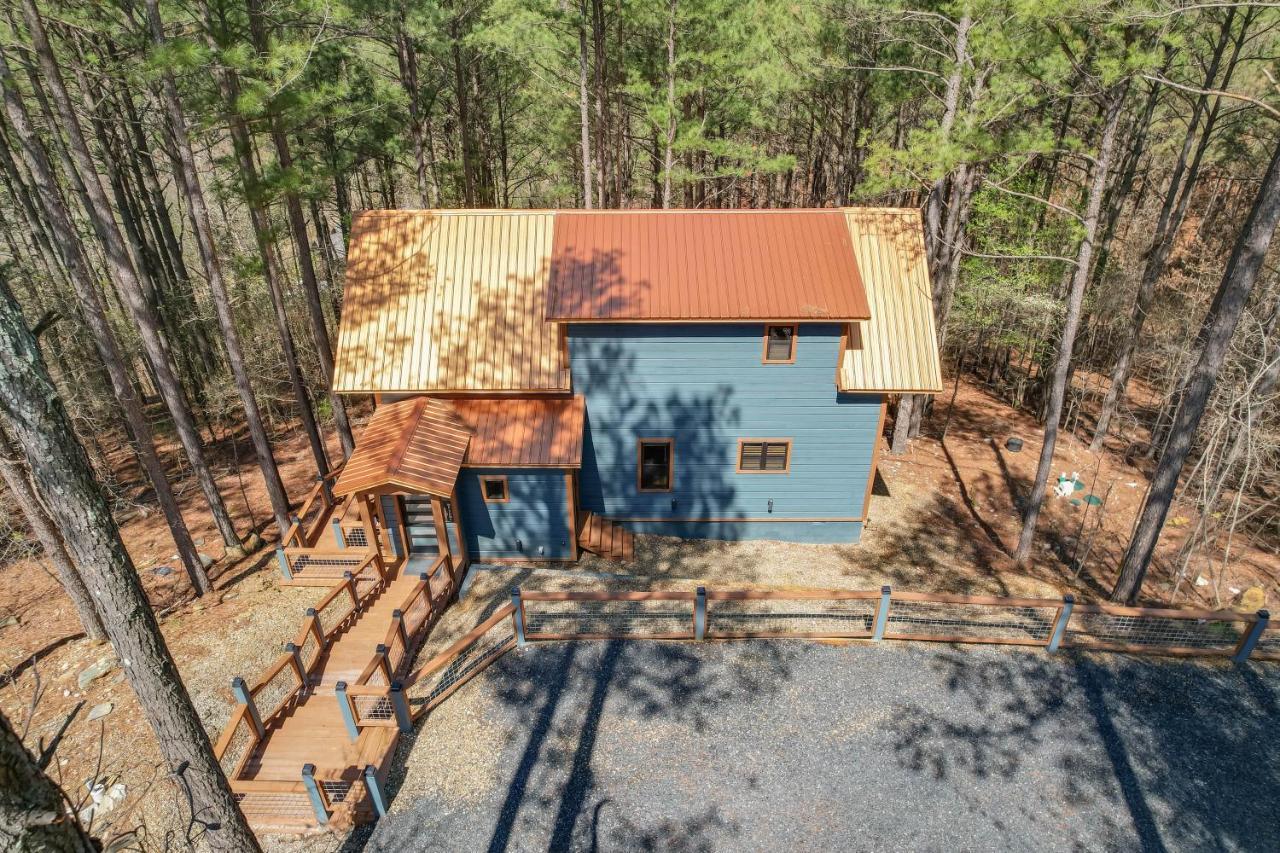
[(310, 523)]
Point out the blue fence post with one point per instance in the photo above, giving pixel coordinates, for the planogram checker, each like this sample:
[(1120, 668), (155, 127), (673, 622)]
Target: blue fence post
[(1060, 627), (882, 613), (700, 613), (283, 560), (1250, 639), (348, 714), (518, 617), (313, 790), (243, 696), (337, 533), (400, 704), (374, 787)]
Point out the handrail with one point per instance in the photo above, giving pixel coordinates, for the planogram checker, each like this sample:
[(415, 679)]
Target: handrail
[(441, 660)]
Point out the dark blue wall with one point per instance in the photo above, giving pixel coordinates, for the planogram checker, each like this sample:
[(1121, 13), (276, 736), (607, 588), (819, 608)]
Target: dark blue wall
[(705, 386), (537, 514)]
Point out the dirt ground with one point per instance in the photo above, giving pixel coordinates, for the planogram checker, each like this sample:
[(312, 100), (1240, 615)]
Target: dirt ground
[(942, 518)]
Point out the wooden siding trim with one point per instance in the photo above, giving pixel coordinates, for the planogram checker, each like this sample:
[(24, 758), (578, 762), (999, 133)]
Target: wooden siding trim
[(766, 441), (875, 457), (671, 464), (464, 556), (493, 478), (795, 342), (571, 491)]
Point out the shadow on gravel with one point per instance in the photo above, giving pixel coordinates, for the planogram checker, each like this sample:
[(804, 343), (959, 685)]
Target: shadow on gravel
[(1135, 733)]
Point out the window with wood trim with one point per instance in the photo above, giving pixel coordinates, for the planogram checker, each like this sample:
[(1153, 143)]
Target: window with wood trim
[(764, 455), (494, 490), (779, 344), (655, 464)]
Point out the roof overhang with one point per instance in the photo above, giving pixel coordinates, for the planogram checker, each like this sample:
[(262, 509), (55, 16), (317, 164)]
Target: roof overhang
[(415, 446)]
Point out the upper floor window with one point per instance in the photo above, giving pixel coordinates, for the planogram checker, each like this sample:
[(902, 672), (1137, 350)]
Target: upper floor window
[(779, 344), (654, 464), (764, 456)]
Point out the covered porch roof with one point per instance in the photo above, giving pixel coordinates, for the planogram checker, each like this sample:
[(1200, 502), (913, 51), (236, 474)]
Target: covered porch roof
[(414, 445)]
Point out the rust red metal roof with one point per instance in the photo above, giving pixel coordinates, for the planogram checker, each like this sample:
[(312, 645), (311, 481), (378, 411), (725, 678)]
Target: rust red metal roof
[(524, 432), (722, 265), (414, 445)]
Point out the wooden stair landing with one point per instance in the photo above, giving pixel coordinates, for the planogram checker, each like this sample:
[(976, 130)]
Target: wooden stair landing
[(605, 538)]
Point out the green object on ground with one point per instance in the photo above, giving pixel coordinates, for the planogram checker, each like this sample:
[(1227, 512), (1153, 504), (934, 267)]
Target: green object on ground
[(1093, 500), (1079, 486), (1075, 502)]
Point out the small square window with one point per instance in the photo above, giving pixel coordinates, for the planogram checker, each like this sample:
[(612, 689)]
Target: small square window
[(779, 344), (494, 490), (654, 464), (757, 456)]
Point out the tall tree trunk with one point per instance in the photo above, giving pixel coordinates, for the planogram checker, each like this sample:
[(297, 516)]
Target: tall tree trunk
[(1075, 300), (82, 279), (15, 477), (1214, 339), (34, 814), (462, 91), (407, 58), (198, 213), (1168, 223), (124, 274), (60, 468), (584, 107), (669, 140), (302, 246)]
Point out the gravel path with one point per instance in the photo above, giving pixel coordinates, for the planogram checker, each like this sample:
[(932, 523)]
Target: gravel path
[(790, 746)]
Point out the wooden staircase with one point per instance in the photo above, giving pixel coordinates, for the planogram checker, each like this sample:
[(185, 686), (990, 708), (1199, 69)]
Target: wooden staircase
[(605, 538)]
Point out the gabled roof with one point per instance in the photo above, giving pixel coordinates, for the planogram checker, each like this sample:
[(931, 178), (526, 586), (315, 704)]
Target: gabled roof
[(896, 350), (720, 265), (523, 432), (448, 301), (414, 445)]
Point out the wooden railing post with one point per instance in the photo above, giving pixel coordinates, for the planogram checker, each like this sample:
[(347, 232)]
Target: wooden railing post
[(700, 613), (1060, 626), (283, 559), (348, 713), (1250, 639), (326, 489), (374, 787), (244, 697), (397, 618), (314, 792), (350, 580), (380, 652), (882, 613), (401, 706), (517, 617), (298, 665), (315, 620)]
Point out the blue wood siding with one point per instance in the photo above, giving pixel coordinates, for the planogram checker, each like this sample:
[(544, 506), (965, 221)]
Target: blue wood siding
[(705, 386), (536, 516)]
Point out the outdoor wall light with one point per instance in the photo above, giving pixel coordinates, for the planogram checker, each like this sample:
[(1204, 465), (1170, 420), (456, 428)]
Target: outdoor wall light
[(519, 544), (770, 504), (673, 503)]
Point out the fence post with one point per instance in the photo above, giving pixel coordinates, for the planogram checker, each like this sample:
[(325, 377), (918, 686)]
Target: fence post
[(243, 696), (348, 715), (700, 613), (401, 706), (882, 613), (1250, 639), (398, 618), (313, 790), (337, 533), (297, 663), (1060, 627), (374, 787), (517, 616), (351, 590), (311, 612), (283, 560)]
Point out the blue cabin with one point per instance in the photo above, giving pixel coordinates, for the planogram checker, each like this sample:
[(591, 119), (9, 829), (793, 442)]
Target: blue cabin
[(549, 382)]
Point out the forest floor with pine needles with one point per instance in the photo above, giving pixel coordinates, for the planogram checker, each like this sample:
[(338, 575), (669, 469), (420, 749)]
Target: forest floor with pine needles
[(943, 518)]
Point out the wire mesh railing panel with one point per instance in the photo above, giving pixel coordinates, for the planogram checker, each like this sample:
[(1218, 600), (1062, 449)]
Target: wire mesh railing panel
[(839, 617), (373, 708), (653, 618), (365, 585), (395, 652), (271, 696), (378, 678), (355, 537), (323, 565), (973, 622), (266, 807), (1268, 645), (1109, 629), (417, 612), (309, 651), (335, 612), (470, 659), (335, 790), (243, 740)]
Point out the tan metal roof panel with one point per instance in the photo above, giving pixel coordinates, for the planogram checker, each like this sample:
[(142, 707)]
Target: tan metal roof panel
[(448, 301), (415, 445), (897, 349), (523, 431), (688, 265)]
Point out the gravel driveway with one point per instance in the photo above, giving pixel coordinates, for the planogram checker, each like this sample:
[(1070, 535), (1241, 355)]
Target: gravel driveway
[(800, 746)]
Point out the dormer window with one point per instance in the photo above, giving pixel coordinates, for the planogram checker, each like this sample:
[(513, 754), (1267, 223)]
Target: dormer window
[(779, 344)]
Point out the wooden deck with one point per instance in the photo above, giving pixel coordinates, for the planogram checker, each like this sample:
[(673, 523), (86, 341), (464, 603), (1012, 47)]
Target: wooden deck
[(605, 538)]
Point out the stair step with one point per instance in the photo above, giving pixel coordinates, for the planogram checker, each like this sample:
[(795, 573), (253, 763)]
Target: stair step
[(606, 538)]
